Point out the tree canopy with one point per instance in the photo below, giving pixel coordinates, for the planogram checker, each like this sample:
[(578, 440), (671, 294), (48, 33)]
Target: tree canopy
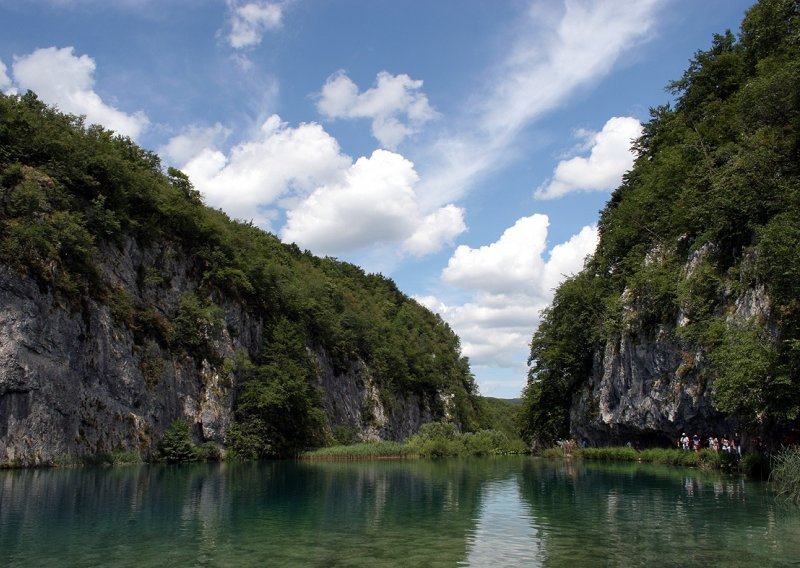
[(715, 179), (68, 189)]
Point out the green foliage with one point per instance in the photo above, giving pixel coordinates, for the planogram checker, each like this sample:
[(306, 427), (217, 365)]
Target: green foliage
[(70, 193), (176, 445), (344, 435), (195, 327), (363, 451), (437, 439), (699, 297), (611, 454), (717, 181), (441, 439), (751, 382), (705, 459), (485, 443), (278, 411), (755, 465), (499, 414), (561, 357)]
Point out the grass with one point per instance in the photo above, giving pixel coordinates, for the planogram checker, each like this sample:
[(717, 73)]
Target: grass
[(364, 451), (785, 474), (705, 459), (434, 440)]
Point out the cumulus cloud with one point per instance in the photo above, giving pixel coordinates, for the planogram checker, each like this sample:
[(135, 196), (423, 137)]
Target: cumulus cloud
[(510, 263), (65, 80), (182, 148), (5, 81), (279, 161), (610, 156), (547, 63), (436, 229), (509, 282), (396, 105), (333, 205), (374, 203), (250, 20)]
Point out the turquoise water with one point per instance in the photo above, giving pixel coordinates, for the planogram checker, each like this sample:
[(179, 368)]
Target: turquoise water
[(479, 512)]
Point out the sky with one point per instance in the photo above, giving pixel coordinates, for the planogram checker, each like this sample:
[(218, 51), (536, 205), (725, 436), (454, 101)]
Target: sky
[(463, 148)]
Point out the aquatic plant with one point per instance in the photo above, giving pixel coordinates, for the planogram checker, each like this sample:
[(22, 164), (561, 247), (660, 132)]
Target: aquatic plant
[(366, 450), (785, 474)]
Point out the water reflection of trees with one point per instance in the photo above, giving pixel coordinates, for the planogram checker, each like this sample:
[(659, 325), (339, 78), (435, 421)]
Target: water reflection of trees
[(642, 514), (283, 513)]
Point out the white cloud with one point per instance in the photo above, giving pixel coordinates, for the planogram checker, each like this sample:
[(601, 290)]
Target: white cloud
[(250, 20), (546, 65), (602, 170), (511, 263), (332, 205), (280, 161), (567, 259), (392, 97), (62, 79), (375, 203), (5, 81), (182, 148), (440, 227), (509, 282)]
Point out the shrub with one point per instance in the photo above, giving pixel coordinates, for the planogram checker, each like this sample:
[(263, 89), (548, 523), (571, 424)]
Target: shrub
[(485, 443), (709, 459), (755, 465), (176, 445), (210, 452), (552, 453), (196, 325)]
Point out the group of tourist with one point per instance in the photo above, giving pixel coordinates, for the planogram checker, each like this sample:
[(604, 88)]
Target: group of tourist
[(726, 443)]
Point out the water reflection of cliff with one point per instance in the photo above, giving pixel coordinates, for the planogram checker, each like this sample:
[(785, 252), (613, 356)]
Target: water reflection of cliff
[(635, 514), (283, 514), (495, 512)]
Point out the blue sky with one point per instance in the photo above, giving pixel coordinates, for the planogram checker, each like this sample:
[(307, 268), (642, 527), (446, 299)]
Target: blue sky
[(463, 148)]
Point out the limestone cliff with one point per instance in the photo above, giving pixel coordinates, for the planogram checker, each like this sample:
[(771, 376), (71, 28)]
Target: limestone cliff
[(126, 304), (650, 385), (686, 317), (75, 383)]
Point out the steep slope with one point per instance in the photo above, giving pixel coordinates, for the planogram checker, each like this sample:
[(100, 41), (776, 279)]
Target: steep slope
[(126, 304), (687, 317)]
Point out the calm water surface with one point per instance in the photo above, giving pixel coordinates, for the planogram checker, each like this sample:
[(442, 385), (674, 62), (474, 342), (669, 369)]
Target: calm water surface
[(479, 512)]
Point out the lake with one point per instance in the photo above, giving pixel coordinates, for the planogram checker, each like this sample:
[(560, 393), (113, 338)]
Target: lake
[(516, 511)]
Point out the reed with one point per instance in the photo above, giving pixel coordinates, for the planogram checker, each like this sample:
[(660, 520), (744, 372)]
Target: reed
[(364, 451), (785, 474), (609, 454), (551, 453)]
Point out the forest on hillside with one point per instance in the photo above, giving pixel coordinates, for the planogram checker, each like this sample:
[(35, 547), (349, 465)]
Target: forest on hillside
[(709, 211), (69, 190)]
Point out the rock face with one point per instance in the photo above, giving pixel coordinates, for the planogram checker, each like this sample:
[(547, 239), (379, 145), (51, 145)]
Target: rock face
[(353, 401), (647, 389), (650, 386), (74, 382)]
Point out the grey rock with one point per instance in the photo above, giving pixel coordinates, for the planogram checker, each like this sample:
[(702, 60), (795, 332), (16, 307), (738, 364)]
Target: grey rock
[(75, 383)]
